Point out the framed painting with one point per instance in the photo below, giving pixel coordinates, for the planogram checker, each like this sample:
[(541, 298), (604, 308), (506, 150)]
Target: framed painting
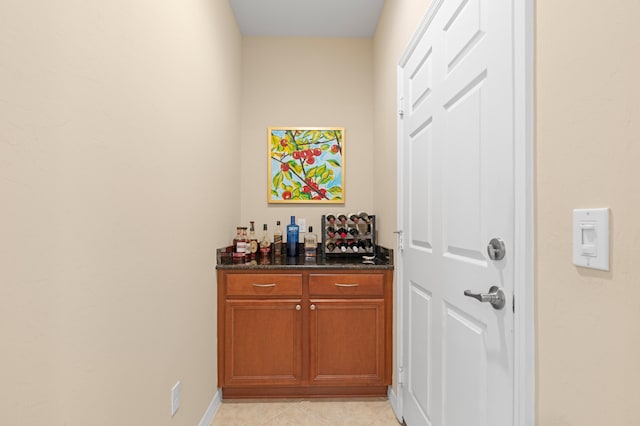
[(306, 165)]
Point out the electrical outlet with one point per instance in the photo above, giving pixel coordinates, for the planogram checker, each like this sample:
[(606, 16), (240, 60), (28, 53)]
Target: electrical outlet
[(302, 224), (175, 398)]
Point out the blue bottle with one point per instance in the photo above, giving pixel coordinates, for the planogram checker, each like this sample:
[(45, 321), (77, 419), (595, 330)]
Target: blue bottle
[(292, 238)]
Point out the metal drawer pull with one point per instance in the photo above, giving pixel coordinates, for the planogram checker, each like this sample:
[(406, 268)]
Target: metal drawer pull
[(347, 285), (264, 285)]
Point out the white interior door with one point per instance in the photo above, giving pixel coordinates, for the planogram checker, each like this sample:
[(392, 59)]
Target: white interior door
[(457, 174)]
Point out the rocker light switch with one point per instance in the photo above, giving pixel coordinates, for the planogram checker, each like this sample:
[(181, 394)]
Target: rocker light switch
[(591, 238)]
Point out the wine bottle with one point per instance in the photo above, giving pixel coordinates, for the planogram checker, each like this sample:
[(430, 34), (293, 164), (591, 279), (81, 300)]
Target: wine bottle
[(331, 231), (331, 246), (331, 219), (342, 232), (354, 218), (364, 216), (342, 245), (342, 218), (354, 231), (353, 245)]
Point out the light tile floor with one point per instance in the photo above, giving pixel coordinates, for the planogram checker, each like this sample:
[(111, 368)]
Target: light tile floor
[(320, 412)]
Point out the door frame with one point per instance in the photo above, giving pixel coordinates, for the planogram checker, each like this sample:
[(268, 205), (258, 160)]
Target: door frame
[(524, 208)]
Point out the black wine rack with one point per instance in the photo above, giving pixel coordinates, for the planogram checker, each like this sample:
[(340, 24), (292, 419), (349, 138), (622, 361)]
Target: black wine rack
[(350, 238)]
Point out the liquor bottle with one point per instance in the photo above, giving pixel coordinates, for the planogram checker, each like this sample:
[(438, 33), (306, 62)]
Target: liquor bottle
[(342, 245), (354, 218), (310, 243), (331, 246), (240, 242), (342, 218), (292, 238), (265, 244), (342, 233), (254, 245), (277, 240), (331, 219), (354, 231)]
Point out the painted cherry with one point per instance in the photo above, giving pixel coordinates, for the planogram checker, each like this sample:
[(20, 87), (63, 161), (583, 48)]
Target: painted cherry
[(310, 160), (286, 195), (296, 155), (283, 142), (284, 167), (317, 151), (335, 148)]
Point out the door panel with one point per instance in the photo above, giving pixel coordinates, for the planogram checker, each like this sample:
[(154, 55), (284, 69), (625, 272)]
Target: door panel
[(457, 174)]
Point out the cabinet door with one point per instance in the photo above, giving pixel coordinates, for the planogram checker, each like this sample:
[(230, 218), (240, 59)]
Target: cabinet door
[(263, 342), (347, 342)]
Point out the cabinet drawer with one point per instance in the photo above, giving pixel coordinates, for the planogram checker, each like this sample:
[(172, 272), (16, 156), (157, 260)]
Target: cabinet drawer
[(346, 285), (264, 285)]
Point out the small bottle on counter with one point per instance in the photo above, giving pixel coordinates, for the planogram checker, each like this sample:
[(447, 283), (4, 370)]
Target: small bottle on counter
[(310, 243), (240, 242), (265, 244), (254, 245), (292, 238), (277, 240)]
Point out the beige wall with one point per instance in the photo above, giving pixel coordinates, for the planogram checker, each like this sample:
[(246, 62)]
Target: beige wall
[(304, 82), (587, 154), (112, 179)]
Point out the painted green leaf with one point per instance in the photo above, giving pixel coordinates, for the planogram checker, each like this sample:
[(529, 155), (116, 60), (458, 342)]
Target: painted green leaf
[(305, 196), (296, 166), (288, 175), (333, 162), (325, 146), (274, 193), (335, 190), (295, 193), (311, 172), (277, 179)]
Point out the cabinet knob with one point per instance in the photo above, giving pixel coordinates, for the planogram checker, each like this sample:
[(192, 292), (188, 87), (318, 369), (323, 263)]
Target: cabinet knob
[(312, 307), (298, 307)]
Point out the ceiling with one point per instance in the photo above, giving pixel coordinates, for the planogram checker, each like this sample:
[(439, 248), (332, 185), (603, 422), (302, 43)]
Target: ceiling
[(307, 18)]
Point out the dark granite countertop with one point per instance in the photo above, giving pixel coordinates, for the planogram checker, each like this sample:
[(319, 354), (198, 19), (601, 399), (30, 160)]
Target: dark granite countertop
[(383, 260)]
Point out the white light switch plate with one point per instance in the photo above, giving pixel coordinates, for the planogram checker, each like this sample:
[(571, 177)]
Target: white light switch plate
[(591, 238)]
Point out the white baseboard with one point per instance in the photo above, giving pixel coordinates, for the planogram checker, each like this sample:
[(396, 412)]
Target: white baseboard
[(207, 418), (393, 401)]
